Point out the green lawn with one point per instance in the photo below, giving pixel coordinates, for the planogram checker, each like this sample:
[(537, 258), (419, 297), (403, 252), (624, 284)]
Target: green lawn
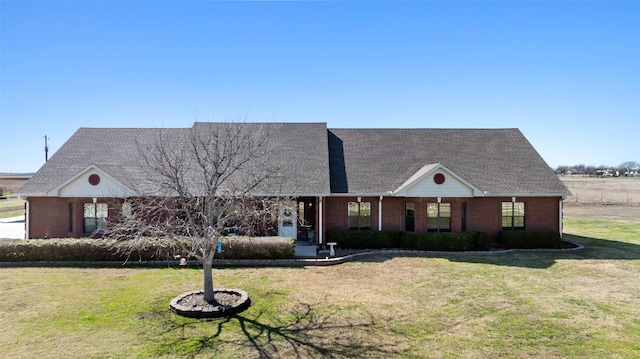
[(583, 304)]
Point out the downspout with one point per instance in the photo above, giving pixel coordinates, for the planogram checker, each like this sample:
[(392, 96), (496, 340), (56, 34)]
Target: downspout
[(560, 216), (26, 218), (380, 215), (320, 228)]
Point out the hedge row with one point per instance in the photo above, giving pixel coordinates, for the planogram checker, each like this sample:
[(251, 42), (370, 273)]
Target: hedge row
[(257, 248), (454, 242), (97, 250), (531, 239)]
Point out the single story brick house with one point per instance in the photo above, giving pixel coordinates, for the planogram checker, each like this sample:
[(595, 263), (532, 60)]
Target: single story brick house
[(417, 180)]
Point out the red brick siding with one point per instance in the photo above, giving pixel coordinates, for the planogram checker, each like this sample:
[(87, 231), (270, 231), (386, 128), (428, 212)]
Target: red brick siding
[(541, 213), (336, 212), (483, 214), (49, 216)]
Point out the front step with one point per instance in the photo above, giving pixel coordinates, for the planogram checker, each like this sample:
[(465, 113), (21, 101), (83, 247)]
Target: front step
[(305, 250)]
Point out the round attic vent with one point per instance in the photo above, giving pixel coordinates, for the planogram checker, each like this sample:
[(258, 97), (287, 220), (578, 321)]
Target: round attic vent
[(438, 178), (94, 179)]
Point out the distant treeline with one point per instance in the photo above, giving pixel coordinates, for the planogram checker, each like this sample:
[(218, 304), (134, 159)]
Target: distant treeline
[(625, 168)]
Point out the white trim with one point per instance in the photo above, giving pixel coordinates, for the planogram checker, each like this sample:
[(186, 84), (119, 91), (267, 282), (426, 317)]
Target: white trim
[(380, 214), (560, 224), (489, 194), (320, 220), (480, 194), (27, 220), (350, 194)]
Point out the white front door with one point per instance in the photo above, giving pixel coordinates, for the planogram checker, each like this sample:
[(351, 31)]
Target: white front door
[(288, 221)]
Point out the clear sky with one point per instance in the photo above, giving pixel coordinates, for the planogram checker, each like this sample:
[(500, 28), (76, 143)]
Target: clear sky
[(567, 74)]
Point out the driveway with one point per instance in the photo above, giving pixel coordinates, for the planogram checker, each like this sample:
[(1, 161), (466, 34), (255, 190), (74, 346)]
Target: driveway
[(12, 227)]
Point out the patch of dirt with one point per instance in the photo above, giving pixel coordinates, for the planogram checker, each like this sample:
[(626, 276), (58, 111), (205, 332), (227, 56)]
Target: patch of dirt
[(602, 211), (603, 191), (612, 198)]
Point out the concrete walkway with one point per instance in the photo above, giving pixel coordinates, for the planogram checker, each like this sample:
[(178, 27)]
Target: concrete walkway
[(12, 227)]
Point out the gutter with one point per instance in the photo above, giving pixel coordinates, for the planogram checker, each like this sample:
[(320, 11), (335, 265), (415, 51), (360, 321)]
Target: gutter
[(564, 195)]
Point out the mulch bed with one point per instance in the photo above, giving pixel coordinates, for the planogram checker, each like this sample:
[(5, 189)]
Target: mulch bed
[(226, 302)]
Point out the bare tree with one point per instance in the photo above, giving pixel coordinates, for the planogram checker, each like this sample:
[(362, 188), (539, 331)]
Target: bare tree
[(206, 181), (629, 165)]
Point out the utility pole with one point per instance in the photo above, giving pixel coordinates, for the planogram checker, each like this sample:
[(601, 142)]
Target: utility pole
[(46, 148)]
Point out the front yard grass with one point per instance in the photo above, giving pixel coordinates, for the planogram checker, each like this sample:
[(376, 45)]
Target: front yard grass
[(583, 304)]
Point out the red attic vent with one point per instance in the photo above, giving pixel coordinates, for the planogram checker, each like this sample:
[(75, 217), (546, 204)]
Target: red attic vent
[(94, 179)]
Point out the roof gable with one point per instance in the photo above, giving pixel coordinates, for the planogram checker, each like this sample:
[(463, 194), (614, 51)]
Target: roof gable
[(92, 181), (435, 180)]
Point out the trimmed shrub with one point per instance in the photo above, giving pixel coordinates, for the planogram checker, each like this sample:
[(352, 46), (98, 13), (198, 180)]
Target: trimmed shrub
[(257, 248), (452, 242), (481, 241), (531, 239), (366, 239), (465, 241), (66, 249), (147, 249)]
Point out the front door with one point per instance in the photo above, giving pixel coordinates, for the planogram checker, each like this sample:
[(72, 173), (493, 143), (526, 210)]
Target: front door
[(409, 217), (288, 221)]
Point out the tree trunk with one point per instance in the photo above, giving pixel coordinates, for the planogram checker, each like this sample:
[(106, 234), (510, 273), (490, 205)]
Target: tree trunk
[(208, 279)]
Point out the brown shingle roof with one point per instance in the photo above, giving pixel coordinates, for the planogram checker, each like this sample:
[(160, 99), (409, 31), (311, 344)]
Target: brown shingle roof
[(318, 161), (498, 161), (300, 149)]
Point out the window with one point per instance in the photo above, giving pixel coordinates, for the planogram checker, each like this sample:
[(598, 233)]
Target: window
[(301, 212), (95, 217), (463, 209), (359, 215), (127, 209), (439, 217), (512, 216), (70, 212), (409, 217)]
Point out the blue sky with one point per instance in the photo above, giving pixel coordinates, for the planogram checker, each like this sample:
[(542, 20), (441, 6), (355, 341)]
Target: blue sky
[(567, 74)]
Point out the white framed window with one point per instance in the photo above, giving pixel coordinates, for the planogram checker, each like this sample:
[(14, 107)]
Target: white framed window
[(95, 217), (439, 217)]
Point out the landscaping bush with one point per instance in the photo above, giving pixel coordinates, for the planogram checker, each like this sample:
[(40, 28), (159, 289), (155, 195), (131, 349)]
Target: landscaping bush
[(366, 239), (481, 241), (531, 239), (465, 241), (452, 242), (257, 248), (79, 249), (99, 250)]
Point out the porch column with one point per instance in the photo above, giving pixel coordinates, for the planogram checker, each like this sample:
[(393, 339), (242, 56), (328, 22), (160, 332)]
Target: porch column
[(560, 216), (320, 215), (380, 214)]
